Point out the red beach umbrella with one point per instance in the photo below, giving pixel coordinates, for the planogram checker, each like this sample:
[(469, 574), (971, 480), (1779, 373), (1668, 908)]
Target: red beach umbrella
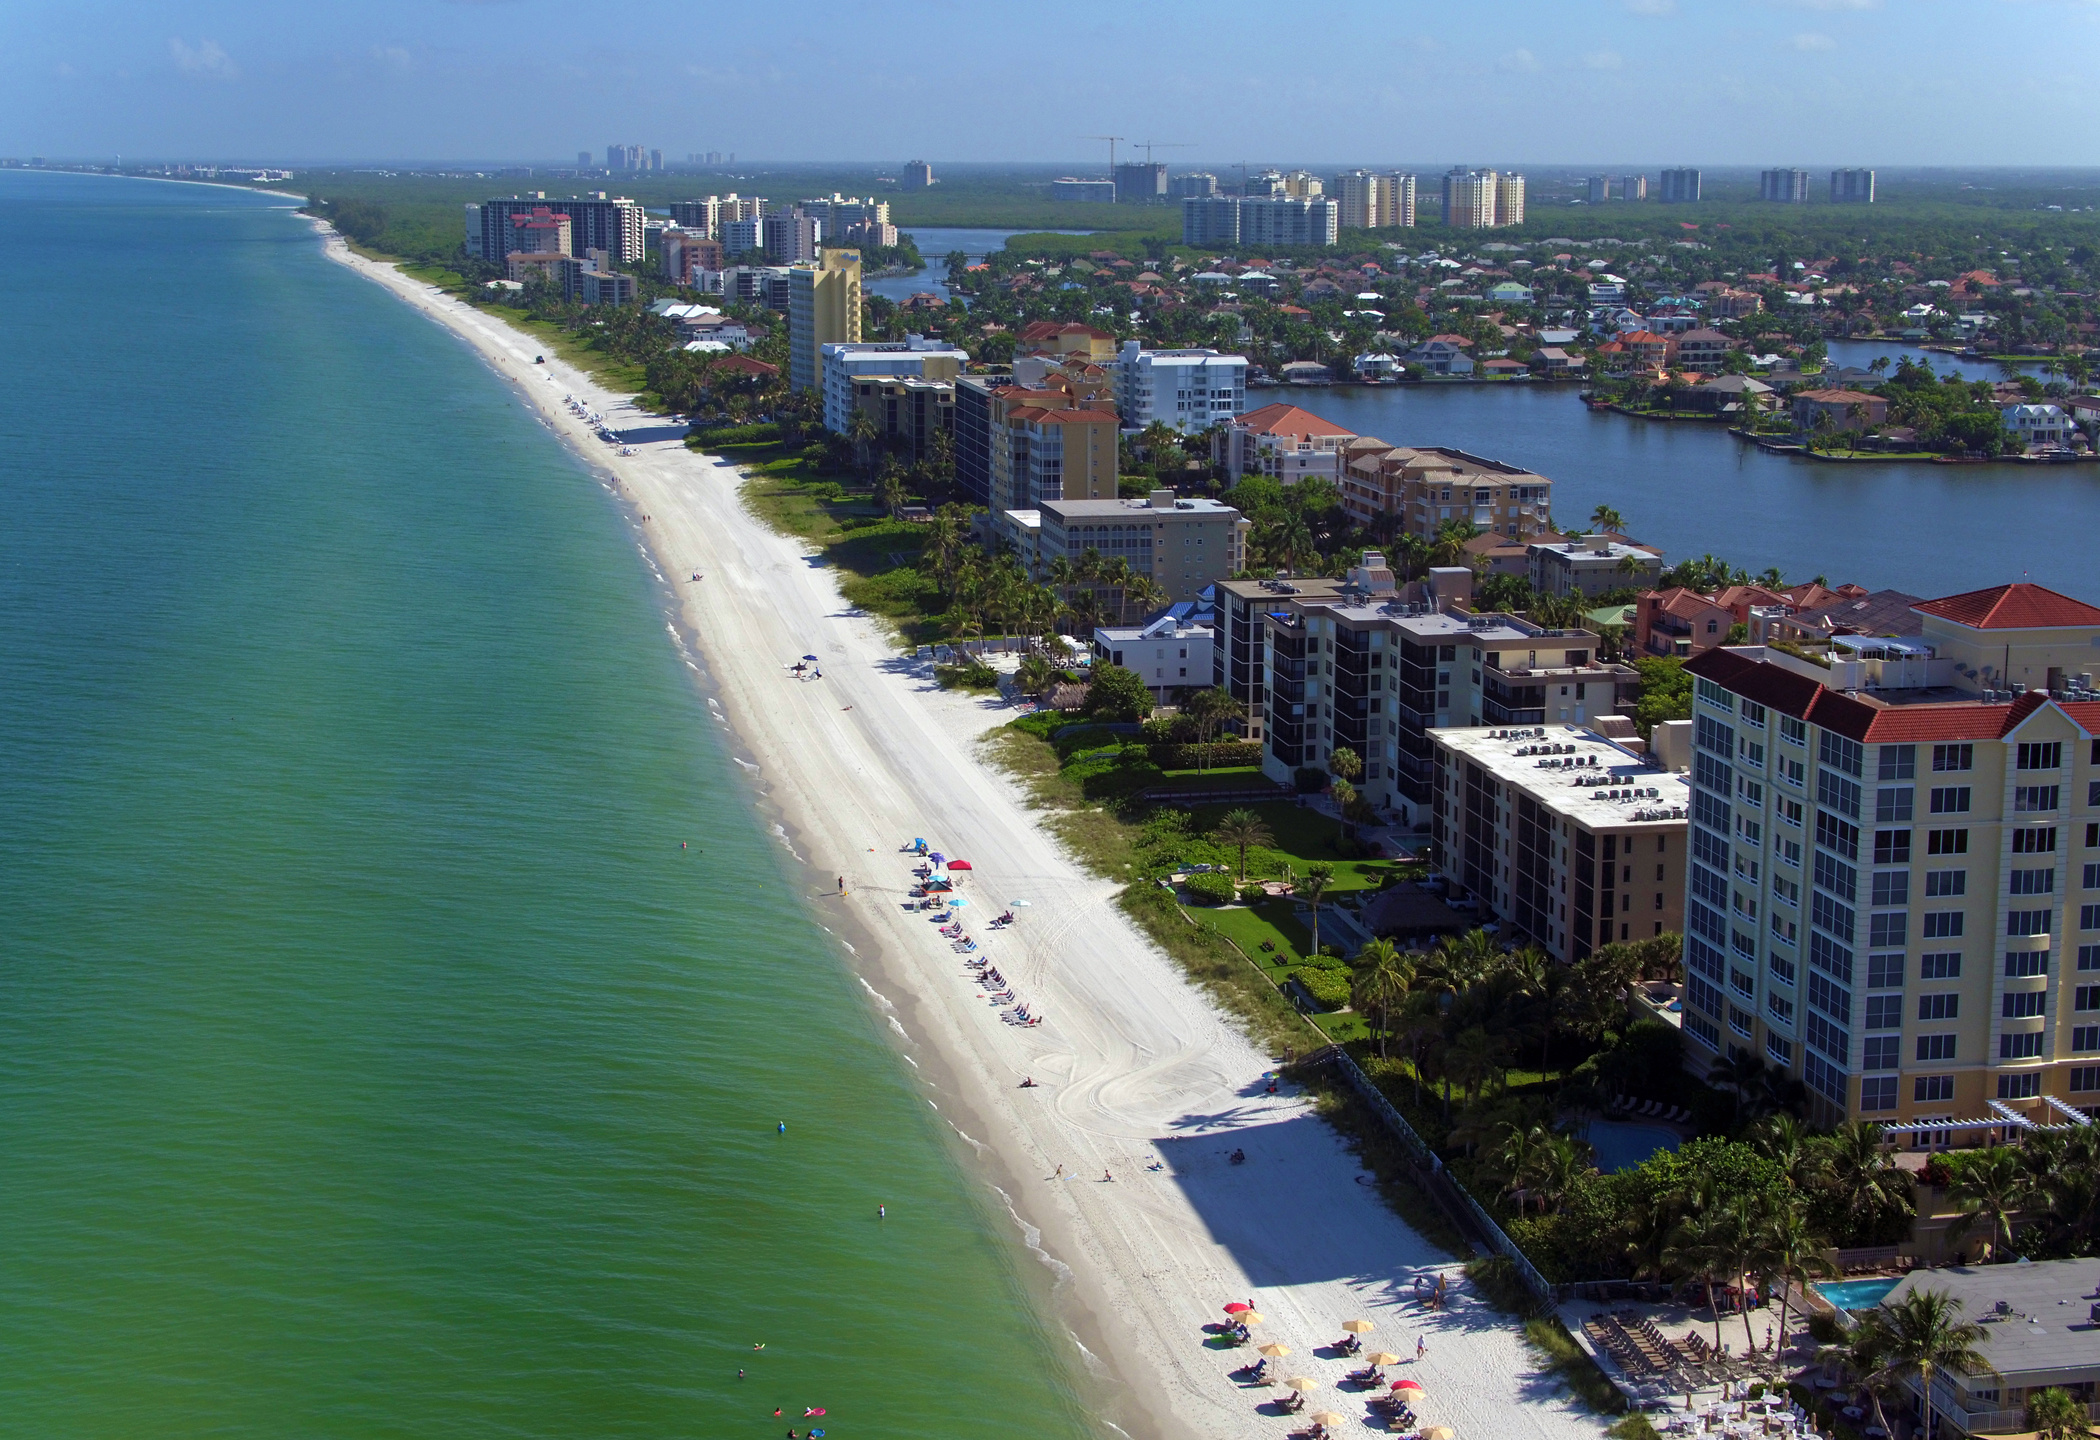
[(1236, 1307), (958, 864), (1410, 1386)]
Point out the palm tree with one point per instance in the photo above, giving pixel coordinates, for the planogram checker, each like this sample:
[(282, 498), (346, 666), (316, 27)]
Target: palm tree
[(1210, 709), (1700, 1248), (1742, 1075), (1519, 1158), (1927, 1334), (1459, 962), (1864, 1352), (1606, 518), (1034, 675), (1786, 1140), (1857, 1168), (1993, 1188), (1420, 1019), (1244, 829), (2054, 1415), (1473, 1058), (1383, 980), (1791, 1252), (1559, 1170), (1318, 878)]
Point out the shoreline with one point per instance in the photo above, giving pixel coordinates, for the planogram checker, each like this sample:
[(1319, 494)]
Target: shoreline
[(1136, 1068)]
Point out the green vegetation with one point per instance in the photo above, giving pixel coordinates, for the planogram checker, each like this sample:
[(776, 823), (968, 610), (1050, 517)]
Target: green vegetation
[(1210, 889), (1666, 692)]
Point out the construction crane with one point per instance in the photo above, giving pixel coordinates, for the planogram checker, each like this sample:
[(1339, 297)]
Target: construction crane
[(1148, 146), (1111, 139)]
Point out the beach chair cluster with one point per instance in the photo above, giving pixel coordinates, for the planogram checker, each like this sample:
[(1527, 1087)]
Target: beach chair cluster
[(933, 890), (1650, 1109)]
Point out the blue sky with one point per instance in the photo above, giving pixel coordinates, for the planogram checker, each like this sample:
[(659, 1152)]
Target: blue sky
[(1543, 82)]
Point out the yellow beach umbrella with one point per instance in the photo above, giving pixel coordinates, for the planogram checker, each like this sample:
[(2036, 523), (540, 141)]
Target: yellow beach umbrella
[(1301, 1384), (1381, 1357), (1249, 1317), (1358, 1327), (1328, 1417), (1274, 1350), (1440, 1432)]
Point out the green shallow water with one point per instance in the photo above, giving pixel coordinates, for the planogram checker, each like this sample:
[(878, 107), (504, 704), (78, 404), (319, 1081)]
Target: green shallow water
[(372, 1060)]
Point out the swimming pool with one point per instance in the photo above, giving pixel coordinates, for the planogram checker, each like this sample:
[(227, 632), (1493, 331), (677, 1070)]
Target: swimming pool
[(1857, 1294), (1621, 1144)]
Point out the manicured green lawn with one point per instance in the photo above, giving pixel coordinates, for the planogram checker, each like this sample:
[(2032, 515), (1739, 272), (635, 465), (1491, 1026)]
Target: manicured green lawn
[(1304, 837), (1272, 922)]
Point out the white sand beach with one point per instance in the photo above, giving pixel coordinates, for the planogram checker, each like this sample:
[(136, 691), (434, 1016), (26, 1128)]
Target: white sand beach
[(1135, 1067)]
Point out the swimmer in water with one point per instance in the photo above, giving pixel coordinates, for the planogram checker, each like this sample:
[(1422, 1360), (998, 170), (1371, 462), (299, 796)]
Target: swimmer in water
[(783, 1127), (882, 1212)]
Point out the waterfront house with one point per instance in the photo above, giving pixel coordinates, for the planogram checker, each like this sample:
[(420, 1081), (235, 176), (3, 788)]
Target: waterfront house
[(1554, 363), (2035, 427), (2039, 1332), (1440, 356), (1701, 350), (1838, 410), (1679, 622), (1591, 565)]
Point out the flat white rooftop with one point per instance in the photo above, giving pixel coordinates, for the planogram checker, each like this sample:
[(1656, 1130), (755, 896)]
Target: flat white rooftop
[(1576, 774)]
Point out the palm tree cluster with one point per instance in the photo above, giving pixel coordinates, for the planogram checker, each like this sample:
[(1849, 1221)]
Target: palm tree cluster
[(994, 593), (2039, 1197)]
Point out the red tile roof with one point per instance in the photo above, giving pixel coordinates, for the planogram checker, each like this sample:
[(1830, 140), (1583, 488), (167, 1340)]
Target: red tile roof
[(1281, 419), (1869, 721), (2012, 607)]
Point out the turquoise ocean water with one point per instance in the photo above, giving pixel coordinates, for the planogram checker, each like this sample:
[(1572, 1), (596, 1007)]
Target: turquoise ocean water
[(372, 1060)]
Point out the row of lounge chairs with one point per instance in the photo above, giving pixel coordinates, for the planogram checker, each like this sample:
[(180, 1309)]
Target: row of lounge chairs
[(1650, 1109), (1633, 1350)]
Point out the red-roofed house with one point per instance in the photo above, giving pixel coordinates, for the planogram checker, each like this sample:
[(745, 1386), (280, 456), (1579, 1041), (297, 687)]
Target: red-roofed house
[(2014, 635), (1284, 441), (1054, 337), (1680, 622)]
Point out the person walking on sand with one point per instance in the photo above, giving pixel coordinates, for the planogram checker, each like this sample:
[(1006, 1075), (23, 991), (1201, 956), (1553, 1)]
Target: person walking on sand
[(1060, 1173), (1421, 1349)]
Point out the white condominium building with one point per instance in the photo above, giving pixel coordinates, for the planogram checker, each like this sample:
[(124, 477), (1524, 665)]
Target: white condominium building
[(1190, 390)]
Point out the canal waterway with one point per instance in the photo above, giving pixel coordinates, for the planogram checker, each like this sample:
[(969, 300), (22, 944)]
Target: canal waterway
[(1694, 489), (936, 244)]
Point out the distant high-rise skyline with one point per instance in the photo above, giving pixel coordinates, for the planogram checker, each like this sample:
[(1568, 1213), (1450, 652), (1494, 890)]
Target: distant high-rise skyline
[(389, 79)]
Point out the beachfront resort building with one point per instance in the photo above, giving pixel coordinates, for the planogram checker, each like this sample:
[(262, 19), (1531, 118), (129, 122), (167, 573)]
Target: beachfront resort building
[(1426, 487), (1368, 670), (1171, 653), (707, 216), (843, 363), (690, 258), (906, 409), (1572, 839), (1371, 201), (823, 309), (1183, 546), (1284, 442), (1189, 390), (596, 222), (1894, 890)]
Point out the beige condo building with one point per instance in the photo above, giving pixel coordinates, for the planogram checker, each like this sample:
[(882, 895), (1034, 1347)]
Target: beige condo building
[(823, 309)]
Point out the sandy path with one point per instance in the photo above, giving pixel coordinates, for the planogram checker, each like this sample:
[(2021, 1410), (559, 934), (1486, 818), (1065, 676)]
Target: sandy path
[(1135, 1068)]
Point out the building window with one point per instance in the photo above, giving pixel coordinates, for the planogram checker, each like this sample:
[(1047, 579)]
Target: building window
[(2036, 799), (1781, 1050), (2020, 1087), (1882, 1052), (1947, 842), (2020, 1047), (1935, 1047), (1897, 762), (1940, 966), (2025, 964), (1942, 883), (1953, 757), (1878, 1093), (1950, 800), (2041, 755), (1928, 1089), (2034, 840), (2022, 1005), (1892, 847), (1943, 1006), (2085, 1078), (2027, 922)]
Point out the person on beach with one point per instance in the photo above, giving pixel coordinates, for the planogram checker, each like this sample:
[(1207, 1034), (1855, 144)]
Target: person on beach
[(1421, 1349), (1060, 1173), (882, 1212)]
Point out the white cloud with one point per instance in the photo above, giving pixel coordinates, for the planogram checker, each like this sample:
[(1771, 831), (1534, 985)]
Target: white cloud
[(1652, 7), (207, 59), (1810, 40), (1603, 60), (1521, 61)]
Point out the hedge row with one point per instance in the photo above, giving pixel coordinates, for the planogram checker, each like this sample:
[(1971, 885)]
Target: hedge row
[(1329, 988), (1211, 889), (1225, 754)]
